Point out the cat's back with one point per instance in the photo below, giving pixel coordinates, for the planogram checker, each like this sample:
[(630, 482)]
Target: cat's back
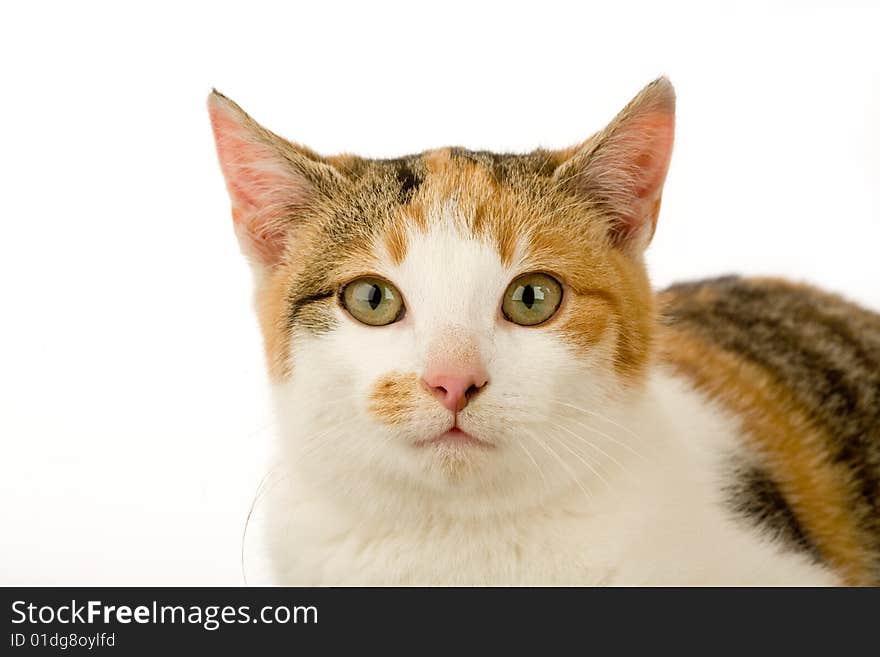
[(801, 369)]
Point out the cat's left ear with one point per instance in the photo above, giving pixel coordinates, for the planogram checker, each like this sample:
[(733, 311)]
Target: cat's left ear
[(622, 168), (273, 183)]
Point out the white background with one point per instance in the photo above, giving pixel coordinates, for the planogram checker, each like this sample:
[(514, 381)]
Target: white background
[(133, 413)]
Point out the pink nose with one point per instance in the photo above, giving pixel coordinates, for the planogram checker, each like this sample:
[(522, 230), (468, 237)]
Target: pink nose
[(455, 387)]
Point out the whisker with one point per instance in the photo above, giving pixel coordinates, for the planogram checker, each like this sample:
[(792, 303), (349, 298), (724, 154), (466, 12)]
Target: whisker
[(261, 491), (537, 467), (269, 424), (609, 421), (313, 442), (564, 465), (264, 488), (593, 445), (582, 459)]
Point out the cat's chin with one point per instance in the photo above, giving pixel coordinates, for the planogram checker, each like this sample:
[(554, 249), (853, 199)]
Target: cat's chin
[(453, 457), (454, 438)]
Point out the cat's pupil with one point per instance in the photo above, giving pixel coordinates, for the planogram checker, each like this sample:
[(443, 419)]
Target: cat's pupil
[(375, 297), (528, 296)]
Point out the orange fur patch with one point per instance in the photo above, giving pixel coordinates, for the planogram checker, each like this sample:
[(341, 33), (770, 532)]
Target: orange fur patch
[(395, 397), (607, 291), (396, 242), (487, 209), (794, 449), (271, 306), (438, 160)]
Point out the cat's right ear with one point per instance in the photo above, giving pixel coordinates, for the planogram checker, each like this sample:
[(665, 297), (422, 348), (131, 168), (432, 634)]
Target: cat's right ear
[(622, 168), (272, 182)]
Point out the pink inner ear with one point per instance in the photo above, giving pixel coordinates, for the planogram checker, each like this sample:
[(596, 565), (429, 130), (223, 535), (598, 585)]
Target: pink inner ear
[(259, 238), (630, 171), (654, 148), (262, 187)]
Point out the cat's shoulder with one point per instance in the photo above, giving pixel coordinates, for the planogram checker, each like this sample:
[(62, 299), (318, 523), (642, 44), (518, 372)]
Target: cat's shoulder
[(822, 350), (771, 301), (800, 368)]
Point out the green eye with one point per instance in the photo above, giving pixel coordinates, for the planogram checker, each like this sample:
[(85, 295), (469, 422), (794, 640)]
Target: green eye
[(372, 301), (531, 299)]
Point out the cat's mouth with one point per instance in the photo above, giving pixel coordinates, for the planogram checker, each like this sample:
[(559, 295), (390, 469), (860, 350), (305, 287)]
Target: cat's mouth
[(455, 438)]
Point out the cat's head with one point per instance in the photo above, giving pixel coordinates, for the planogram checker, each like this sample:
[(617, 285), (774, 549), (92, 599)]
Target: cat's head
[(454, 321)]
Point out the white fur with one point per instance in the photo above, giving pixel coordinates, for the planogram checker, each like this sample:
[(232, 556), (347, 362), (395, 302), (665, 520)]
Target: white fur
[(588, 483)]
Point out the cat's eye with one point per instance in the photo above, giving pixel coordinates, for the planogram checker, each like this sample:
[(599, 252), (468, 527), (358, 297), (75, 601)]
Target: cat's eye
[(372, 301), (531, 299)]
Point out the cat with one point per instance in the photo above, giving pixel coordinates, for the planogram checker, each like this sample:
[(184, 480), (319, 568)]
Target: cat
[(477, 385)]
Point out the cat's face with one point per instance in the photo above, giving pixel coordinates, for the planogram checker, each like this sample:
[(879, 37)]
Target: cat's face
[(453, 321)]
